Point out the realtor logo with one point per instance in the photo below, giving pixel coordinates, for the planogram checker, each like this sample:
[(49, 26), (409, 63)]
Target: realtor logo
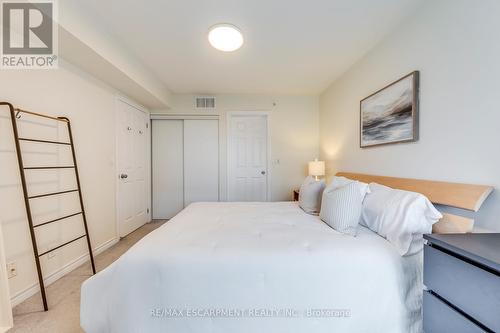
[(29, 35)]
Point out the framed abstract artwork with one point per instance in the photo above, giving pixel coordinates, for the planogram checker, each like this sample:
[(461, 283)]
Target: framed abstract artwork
[(390, 115)]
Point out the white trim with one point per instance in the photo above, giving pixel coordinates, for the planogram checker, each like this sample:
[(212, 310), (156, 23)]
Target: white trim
[(160, 116), (59, 273), (267, 115), (123, 99)]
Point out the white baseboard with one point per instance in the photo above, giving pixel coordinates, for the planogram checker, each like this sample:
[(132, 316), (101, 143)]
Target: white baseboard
[(30, 291)]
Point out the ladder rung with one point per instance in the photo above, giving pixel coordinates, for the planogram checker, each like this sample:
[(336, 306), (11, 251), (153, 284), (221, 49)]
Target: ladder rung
[(49, 194), (50, 167), (58, 219), (64, 119), (58, 247), (45, 141)]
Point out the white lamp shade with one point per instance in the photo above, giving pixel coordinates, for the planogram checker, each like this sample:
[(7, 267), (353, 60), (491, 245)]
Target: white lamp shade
[(317, 168)]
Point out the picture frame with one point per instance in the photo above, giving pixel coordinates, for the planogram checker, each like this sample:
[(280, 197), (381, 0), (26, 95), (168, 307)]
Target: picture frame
[(391, 115)]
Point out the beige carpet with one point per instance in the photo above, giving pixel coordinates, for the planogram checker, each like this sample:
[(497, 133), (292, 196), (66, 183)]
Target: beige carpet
[(64, 294)]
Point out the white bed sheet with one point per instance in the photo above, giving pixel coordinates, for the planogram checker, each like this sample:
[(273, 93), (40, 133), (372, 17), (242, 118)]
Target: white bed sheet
[(251, 259)]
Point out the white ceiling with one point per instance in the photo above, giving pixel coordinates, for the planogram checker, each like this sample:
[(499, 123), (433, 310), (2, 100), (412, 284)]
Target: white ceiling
[(291, 46)]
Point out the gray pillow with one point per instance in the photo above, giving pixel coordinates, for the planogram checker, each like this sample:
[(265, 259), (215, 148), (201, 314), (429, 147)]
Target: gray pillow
[(341, 208), (310, 195)]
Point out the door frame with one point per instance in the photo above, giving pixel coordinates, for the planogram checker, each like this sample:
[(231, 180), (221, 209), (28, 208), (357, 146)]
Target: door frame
[(122, 99), (267, 116)]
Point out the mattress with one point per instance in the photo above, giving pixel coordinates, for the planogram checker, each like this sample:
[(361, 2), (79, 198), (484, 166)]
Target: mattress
[(255, 267)]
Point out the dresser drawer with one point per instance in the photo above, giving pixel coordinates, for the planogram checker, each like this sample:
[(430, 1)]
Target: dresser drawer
[(471, 289), (439, 318)]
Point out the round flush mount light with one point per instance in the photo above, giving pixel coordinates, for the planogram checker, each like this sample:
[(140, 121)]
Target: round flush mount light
[(225, 37)]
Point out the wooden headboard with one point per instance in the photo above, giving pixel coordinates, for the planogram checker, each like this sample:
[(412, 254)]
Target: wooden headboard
[(465, 196)]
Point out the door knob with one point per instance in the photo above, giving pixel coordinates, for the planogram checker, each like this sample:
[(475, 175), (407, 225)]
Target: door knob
[(263, 172), (123, 176)]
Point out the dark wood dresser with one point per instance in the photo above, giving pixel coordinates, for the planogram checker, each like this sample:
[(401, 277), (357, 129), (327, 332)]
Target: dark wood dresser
[(462, 277)]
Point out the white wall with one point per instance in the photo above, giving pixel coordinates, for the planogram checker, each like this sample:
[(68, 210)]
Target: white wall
[(453, 43), (293, 127), (5, 311), (90, 105)]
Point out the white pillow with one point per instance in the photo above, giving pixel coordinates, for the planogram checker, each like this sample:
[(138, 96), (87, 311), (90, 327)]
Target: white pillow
[(341, 208), (399, 216), (343, 181), (310, 194)]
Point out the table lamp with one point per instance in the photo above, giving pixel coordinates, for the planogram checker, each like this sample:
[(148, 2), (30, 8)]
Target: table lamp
[(316, 168)]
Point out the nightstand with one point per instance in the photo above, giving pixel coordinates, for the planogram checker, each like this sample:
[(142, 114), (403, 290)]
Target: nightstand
[(295, 195), (462, 276)]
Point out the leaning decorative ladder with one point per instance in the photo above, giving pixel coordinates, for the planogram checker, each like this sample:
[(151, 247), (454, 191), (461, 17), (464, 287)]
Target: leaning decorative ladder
[(15, 114)]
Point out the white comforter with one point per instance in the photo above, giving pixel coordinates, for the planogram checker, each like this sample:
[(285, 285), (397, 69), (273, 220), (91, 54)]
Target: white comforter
[(255, 267)]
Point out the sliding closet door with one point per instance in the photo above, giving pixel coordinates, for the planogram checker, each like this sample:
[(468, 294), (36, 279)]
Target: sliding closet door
[(201, 160), (168, 175)]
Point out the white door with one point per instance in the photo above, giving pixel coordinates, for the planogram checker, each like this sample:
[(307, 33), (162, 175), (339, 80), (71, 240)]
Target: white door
[(168, 168), (201, 160), (131, 162), (247, 158)]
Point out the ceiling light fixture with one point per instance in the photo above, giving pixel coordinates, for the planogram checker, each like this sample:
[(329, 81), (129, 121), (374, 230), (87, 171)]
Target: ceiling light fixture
[(225, 37)]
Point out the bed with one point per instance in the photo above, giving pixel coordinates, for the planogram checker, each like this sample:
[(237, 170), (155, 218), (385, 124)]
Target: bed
[(255, 267), (248, 260)]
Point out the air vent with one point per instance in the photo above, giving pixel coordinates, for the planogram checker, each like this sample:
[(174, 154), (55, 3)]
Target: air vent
[(207, 103)]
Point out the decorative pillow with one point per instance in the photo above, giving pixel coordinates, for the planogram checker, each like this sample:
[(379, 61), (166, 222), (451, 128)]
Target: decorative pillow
[(310, 195), (399, 216), (341, 207), (343, 181)]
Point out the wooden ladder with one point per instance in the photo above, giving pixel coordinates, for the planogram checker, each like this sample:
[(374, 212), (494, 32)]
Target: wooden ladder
[(15, 114)]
